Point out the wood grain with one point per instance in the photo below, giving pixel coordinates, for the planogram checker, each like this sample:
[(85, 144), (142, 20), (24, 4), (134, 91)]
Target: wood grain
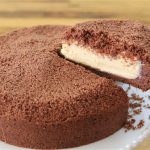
[(16, 14), (20, 13)]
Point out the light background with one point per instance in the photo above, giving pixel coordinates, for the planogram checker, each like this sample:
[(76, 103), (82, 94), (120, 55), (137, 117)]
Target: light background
[(15, 14), (20, 13)]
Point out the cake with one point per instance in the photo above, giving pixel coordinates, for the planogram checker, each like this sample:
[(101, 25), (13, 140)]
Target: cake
[(47, 102), (119, 50)]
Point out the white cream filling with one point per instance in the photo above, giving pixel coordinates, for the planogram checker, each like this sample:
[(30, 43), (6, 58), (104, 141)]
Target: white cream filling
[(117, 66)]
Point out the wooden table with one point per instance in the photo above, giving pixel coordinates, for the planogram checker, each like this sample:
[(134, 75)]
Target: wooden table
[(15, 14)]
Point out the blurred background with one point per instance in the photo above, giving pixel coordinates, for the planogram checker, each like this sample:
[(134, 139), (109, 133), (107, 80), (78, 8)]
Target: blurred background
[(15, 14), (20, 13)]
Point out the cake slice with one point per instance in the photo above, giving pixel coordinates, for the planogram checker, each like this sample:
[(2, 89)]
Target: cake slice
[(118, 49)]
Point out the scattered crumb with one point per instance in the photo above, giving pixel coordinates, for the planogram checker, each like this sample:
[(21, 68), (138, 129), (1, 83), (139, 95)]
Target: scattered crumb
[(136, 97), (134, 105), (129, 116), (130, 125), (129, 87), (137, 111), (147, 106), (140, 124)]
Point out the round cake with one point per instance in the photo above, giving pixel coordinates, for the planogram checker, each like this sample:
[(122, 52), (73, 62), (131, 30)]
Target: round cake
[(47, 102)]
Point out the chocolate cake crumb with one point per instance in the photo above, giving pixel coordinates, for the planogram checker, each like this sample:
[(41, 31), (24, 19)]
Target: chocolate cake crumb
[(135, 106), (136, 97), (130, 125), (129, 116), (137, 111), (147, 106), (140, 124), (129, 87)]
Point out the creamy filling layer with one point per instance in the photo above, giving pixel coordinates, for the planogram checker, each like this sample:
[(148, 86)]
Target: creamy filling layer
[(112, 65)]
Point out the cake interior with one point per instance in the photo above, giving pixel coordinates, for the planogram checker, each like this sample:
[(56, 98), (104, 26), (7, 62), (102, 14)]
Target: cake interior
[(119, 66)]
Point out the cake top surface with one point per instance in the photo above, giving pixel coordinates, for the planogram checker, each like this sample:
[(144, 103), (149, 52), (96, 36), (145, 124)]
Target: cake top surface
[(38, 85), (113, 37)]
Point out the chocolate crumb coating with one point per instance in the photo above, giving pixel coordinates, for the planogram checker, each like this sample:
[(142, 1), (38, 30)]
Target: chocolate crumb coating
[(47, 102), (115, 37)]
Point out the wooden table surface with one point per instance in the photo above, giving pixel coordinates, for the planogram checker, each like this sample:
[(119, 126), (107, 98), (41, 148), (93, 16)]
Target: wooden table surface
[(15, 14)]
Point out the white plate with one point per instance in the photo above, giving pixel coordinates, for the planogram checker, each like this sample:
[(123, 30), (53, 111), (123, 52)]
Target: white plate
[(120, 140)]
